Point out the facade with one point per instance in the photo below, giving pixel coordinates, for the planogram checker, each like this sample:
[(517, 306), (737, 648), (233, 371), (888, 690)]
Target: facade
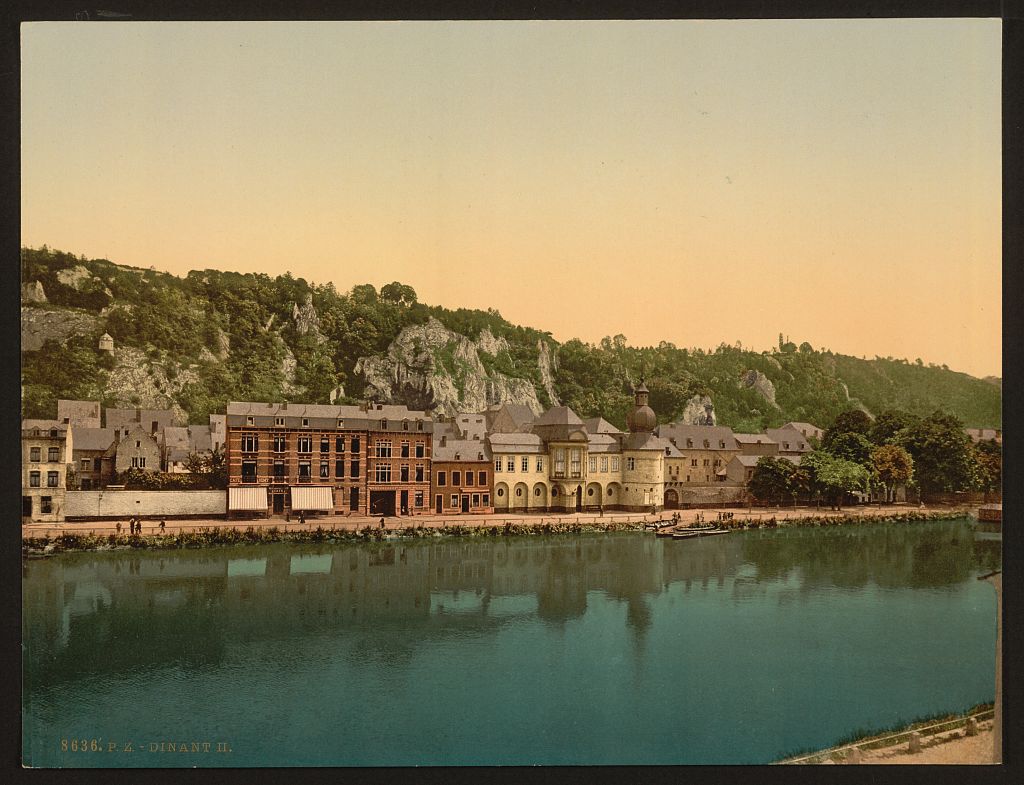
[(136, 448), (93, 457), (756, 444), (47, 447), (702, 454), (520, 479), (286, 459), (807, 430), (461, 472), (741, 468), (177, 443), (790, 440), (984, 435)]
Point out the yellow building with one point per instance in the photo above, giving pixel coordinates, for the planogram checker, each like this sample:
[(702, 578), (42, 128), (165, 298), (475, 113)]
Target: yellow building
[(46, 451)]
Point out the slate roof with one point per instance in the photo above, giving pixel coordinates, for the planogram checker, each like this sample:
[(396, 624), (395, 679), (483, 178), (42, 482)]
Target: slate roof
[(466, 450), (470, 425), (751, 460), (812, 430), (648, 441), (515, 443), (92, 438), (603, 443), (715, 435), (797, 441), (558, 415), (752, 438), (599, 425), (43, 425)]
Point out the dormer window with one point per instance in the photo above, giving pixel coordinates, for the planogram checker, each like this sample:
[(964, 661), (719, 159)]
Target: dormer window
[(279, 421), (721, 443), (341, 423), (305, 422), (383, 424), (250, 421), (419, 425), (707, 443), (689, 442), (405, 425), (53, 433)]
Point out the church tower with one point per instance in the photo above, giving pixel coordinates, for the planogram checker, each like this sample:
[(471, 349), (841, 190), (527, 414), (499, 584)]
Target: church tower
[(642, 419)]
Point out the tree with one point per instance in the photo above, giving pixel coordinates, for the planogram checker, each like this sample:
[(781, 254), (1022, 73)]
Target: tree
[(196, 464), (989, 466), (217, 468), (851, 447), (806, 348), (888, 424), (892, 466), (943, 459), (850, 421), (398, 293), (833, 478), (774, 480)]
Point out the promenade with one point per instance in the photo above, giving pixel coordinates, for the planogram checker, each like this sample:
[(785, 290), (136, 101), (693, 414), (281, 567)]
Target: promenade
[(354, 523)]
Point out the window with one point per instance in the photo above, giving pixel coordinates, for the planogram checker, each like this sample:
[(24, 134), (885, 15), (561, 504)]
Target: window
[(405, 449), (353, 499), (456, 478), (525, 465), (592, 464), (405, 425), (500, 492), (404, 475), (687, 477), (487, 499), (476, 499), (339, 444), (693, 461), (33, 479), (86, 463), (689, 442), (419, 472), (706, 444), (497, 464), (383, 424), (510, 464), (138, 444), (97, 464), (419, 498), (469, 478), (785, 445), (455, 500), (279, 421), (354, 469), (540, 464), (706, 462), (615, 463), (86, 484), (481, 478), (560, 462), (280, 444), (35, 454), (248, 471), (419, 425), (442, 479), (604, 463), (325, 468), (575, 465), (305, 444), (420, 450), (325, 444), (250, 443), (250, 421), (630, 464), (53, 455), (721, 444), (305, 422), (339, 469), (519, 491), (278, 470), (46, 504), (305, 470), (383, 449), (341, 423), (382, 472)]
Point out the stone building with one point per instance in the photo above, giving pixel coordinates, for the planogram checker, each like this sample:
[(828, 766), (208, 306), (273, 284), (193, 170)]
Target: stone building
[(46, 451), (520, 478), (807, 430), (135, 448), (756, 444), (79, 414), (94, 457), (509, 418), (106, 343), (151, 420), (704, 451), (177, 443), (741, 468), (790, 440)]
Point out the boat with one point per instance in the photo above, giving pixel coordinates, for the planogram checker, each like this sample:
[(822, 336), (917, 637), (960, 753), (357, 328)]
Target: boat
[(685, 534)]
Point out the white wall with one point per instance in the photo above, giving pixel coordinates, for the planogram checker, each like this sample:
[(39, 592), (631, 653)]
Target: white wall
[(124, 504)]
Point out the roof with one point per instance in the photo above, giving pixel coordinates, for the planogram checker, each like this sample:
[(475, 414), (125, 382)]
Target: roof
[(558, 415), (751, 460), (803, 426), (599, 425), (648, 441), (714, 434), (460, 450), (42, 424), (753, 438), (603, 443), (78, 410), (328, 411), (92, 438), (470, 425), (515, 442), (796, 440), (192, 438), (518, 415)]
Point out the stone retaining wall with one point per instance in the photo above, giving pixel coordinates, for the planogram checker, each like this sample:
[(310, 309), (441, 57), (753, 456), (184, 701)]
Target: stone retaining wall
[(98, 505)]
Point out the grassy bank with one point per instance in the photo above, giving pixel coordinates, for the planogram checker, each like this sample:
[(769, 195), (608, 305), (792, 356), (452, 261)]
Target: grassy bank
[(34, 547)]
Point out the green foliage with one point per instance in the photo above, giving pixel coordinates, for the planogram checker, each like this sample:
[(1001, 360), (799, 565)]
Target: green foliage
[(851, 447), (833, 478), (775, 480), (73, 369), (888, 425), (943, 456), (892, 466)]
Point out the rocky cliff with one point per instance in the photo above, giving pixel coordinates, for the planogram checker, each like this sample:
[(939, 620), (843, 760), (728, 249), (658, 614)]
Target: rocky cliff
[(699, 410), (428, 366), (761, 383)]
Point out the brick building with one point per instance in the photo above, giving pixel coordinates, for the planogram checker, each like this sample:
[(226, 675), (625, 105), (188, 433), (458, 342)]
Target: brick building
[(460, 473)]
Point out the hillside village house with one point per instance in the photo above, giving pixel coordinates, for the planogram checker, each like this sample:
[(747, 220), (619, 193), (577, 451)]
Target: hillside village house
[(756, 444), (703, 452), (94, 456), (135, 448), (741, 468), (289, 458), (790, 440), (151, 420), (509, 418), (807, 430), (46, 452), (177, 443)]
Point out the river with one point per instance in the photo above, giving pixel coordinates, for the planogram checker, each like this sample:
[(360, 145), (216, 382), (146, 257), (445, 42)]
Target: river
[(589, 649)]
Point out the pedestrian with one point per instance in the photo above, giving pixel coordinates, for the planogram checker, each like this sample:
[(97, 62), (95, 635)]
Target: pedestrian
[(117, 527), (162, 525), (131, 526), (382, 522), (302, 517)]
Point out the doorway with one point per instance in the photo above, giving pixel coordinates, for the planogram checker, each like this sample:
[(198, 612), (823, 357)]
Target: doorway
[(405, 502), (579, 498), (465, 502), (382, 503), (278, 503), (438, 503), (26, 506)]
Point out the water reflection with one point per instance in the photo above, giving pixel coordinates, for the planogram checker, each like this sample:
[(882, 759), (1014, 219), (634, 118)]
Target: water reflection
[(103, 613)]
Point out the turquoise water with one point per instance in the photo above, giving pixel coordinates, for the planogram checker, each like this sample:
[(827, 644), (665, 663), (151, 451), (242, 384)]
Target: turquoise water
[(592, 649)]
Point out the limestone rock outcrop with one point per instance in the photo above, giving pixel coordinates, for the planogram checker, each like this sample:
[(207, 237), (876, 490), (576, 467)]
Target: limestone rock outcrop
[(699, 410), (38, 325), (33, 292), (428, 366), (307, 321), (761, 383)]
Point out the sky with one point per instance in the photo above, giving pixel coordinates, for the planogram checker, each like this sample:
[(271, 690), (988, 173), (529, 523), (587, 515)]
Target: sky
[(698, 182)]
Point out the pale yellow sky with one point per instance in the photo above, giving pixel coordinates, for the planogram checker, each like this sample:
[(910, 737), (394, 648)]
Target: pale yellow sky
[(688, 181)]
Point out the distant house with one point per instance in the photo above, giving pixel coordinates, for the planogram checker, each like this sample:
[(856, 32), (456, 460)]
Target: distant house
[(151, 420), (702, 454), (94, 457), (741, 467), (218, 431), (790, 440), (46, 450), (756, 444), (470, 426), (806, 429), (461, 473), (136, 449), (177, 443), (985, 435), (509, 418), (79, 414)]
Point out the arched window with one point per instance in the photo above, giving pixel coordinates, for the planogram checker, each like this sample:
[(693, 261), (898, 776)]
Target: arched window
[(501, 491), (519, 491)]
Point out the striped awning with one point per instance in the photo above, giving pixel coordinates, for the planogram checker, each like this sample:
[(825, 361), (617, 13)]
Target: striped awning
[(249, 498), (305, 497)]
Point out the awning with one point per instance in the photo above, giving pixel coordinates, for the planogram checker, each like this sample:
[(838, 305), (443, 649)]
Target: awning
[(252, 499), (305, 497)]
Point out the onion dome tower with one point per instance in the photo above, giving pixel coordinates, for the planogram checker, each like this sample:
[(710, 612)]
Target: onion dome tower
[(642, 419)]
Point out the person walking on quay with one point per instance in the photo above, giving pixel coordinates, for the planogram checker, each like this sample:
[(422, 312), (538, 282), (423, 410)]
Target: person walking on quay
[(162, 525), (382, 522), (117, 527), (131, 526)]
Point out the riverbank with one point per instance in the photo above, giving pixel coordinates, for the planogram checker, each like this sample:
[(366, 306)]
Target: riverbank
[(946, 739), (47, 539)]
